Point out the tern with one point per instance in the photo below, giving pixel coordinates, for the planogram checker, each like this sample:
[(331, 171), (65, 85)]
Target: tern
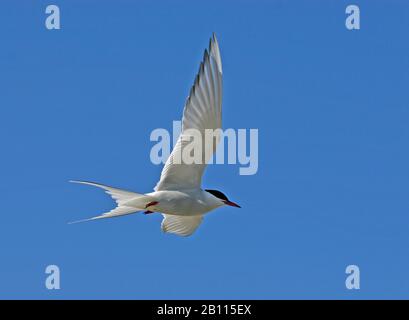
[(178, 195)]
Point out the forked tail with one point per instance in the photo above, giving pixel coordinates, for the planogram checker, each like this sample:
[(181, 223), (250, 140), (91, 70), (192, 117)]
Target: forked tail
[(127, 202)]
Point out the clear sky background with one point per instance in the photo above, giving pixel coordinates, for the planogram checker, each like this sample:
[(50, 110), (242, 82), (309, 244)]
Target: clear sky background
[(331, 106)]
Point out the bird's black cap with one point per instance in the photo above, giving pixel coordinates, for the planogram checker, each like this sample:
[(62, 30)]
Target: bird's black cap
[(217, 194)]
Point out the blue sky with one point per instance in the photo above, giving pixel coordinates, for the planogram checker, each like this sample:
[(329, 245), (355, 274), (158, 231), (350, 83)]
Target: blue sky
[(332, 110)]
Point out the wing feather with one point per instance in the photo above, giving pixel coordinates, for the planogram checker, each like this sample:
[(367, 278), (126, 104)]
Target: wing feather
[(180, 225), (202, 111)]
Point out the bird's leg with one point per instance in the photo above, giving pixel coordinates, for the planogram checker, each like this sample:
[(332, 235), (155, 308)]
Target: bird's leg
[(153, 203)]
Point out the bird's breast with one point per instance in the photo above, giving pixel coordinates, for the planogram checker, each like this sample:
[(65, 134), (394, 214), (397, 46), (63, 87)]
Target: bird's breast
[(180, 203)]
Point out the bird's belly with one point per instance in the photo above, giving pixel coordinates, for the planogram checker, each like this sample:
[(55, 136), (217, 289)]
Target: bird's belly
[(184, 206)]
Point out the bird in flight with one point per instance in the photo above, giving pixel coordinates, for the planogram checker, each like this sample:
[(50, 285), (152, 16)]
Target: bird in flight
[(178, 194)]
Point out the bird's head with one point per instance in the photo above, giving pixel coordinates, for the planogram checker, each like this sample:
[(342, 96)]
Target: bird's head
[(222, 197)]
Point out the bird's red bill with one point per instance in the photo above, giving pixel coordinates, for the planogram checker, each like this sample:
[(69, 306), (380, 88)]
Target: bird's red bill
[(232, 204)]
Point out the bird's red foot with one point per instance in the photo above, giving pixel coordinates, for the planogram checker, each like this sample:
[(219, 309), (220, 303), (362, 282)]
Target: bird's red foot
[(153, 203)]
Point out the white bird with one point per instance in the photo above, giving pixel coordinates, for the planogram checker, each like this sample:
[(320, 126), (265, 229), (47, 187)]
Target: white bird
[(178, 194)]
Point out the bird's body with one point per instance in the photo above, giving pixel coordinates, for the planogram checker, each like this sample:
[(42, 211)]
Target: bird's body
[(178, 194), (190, 202)]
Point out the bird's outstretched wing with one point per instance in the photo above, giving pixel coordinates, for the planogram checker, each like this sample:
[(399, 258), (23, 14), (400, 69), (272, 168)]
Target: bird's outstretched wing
[(202, 111), (180, 225)]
